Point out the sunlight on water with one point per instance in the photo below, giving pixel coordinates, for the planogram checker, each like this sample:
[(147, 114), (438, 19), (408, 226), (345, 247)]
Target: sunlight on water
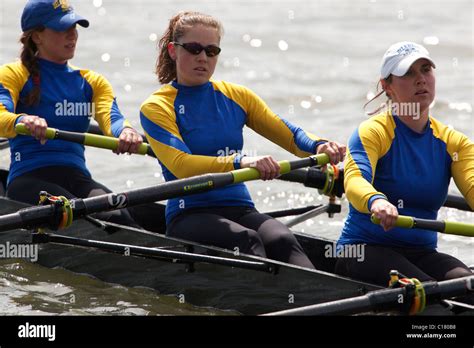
[(299, 56)]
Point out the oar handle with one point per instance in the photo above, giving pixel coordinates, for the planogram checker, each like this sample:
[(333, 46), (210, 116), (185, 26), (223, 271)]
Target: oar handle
[(247, 174), (448, 227), (94, 140)]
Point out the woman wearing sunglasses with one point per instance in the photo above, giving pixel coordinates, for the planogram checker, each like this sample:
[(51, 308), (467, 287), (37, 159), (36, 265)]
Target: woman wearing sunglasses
[(194, 126), (401, 161), (43, 90)]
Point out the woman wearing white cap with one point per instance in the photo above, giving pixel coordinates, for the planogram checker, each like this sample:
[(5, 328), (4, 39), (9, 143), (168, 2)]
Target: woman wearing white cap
[(401, 161), (42, 90)]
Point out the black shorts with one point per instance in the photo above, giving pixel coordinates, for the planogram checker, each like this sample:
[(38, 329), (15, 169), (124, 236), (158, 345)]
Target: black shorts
[(239, 228), (378, 261)]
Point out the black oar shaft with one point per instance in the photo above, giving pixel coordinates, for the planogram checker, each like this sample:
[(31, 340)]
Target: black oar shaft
[(4, 144), (314, 177), (457, 202), (384, 299), (27, 218), (40, 216), (133, 250)]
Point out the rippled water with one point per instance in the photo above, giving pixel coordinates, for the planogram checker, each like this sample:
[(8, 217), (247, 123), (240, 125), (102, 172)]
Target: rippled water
[(313, 62)]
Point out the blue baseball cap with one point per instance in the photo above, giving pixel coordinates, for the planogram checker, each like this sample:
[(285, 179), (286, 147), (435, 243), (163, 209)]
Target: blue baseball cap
[(53, 14)]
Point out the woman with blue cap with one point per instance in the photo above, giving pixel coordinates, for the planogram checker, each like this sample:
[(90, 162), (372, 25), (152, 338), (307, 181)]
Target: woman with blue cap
[(402, 161), (43, 90)]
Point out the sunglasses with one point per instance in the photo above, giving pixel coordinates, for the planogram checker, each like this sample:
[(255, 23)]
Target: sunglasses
[(195, 48)]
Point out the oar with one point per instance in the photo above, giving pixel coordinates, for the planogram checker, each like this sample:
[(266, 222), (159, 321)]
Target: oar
[(95, 129), (48, 215), (313, 177), (134, 250), (100, 141), (457, 202), (4, 143), (386, 299), (448, 227)]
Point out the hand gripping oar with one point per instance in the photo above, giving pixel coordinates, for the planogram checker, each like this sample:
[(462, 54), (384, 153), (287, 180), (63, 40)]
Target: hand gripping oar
[(100, 141), (448, 227), (49, 215)]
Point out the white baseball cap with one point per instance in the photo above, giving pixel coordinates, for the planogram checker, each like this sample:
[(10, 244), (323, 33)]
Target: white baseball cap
[(400, 56)]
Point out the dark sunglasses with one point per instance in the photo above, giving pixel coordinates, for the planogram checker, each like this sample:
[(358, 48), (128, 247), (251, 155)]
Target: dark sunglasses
[(195, 48)]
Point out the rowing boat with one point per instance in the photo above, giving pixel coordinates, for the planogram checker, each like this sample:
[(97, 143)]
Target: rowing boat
[(260, 286), (198, 274), (247, 284)]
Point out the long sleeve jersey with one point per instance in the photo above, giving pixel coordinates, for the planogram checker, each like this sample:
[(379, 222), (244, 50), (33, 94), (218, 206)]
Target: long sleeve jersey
[(69, 98), (386, 159), (197, 130)]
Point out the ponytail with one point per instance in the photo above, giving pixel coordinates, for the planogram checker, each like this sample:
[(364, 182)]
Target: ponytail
[(29, 59), (379, 93), (165, 65)]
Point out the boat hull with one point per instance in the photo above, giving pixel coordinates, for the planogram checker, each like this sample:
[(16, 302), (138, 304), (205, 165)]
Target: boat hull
[(247, 291), (244, 290)]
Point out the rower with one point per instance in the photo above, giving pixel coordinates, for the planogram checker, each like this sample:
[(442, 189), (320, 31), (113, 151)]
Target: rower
[(43, 89), (194, 126), (401, 162)]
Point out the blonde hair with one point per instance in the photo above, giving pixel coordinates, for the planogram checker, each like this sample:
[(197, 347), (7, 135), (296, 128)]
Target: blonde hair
[(165, 66)]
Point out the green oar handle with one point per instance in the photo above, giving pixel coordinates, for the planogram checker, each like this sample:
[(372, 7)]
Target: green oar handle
[(448, 227), (246, 174), (94, 140)]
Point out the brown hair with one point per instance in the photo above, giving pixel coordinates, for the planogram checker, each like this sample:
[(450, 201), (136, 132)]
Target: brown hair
[(379, 93), (29, 59), (165, 66)]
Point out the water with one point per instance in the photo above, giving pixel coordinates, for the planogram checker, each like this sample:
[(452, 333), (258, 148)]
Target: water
[(319, 82)]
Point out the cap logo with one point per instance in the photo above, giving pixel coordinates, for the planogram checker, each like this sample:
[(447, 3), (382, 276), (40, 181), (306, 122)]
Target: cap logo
[(405, 50), (63, 4)]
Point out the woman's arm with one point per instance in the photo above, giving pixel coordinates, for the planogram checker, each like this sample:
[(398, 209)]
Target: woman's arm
[(278, 130), (462, 166), (159, 122), (370, 141), (108, 115), (12, 79)]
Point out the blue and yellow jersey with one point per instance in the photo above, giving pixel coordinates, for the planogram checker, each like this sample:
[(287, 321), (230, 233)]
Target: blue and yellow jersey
[(197, 130), (69, 98), (386, 159)]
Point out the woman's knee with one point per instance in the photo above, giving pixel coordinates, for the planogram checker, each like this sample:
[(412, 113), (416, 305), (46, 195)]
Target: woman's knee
[(458, 272), (249, 242), (282, 240)]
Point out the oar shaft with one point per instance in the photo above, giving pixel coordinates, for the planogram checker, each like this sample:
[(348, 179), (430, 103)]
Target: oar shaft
[(41, 216), (448, 227), (94, 140), (385, 299), (151, 252), (457, 202), (4, 143)]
